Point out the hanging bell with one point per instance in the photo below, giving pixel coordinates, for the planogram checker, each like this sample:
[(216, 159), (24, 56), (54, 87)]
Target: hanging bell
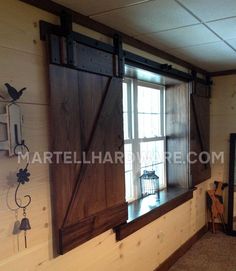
[(25, 224)]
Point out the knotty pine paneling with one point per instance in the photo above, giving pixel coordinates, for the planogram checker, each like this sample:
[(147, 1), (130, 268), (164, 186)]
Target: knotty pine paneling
[(144, 250), (222, 123), (22, 69), (19, 27), (23, 64)]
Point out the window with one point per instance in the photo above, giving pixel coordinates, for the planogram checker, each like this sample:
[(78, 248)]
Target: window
[(144, 133)]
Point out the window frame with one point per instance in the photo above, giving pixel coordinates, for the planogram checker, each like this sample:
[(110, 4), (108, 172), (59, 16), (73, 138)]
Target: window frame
[(133, 129)]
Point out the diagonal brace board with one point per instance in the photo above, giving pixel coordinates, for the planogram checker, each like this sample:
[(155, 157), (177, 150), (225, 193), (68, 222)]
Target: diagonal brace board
[(83, 168)]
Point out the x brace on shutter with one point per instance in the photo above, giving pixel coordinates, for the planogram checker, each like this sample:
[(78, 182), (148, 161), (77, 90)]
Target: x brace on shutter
[(208, 82), (63, 51)]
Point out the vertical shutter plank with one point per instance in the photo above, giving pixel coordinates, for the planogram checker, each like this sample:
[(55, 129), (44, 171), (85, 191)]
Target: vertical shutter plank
[(86, 117), (64, 99), (200, 132), (105, 139)]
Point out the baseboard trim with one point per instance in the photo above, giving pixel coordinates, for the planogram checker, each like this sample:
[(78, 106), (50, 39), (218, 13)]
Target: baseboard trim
[(166, 265)]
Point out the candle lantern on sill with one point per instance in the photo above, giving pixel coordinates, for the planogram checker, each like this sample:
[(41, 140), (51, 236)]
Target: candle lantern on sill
[(149, 183)]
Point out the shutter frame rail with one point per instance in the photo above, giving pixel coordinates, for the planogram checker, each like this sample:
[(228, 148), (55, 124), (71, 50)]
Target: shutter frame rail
[(46, 29)]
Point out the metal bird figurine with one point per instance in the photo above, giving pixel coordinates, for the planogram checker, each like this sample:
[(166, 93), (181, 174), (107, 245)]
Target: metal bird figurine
[(13, 93)]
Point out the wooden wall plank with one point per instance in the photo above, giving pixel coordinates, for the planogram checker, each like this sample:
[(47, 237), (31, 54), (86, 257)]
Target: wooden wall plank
[(23, 36), (21, 69), (143, 250)]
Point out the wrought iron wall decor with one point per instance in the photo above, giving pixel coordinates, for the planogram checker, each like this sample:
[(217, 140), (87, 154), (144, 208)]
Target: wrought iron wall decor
[(22, 178), (15, 145), (13, 93)]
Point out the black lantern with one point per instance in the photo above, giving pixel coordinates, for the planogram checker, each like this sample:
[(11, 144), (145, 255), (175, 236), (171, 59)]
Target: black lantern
[(149, 183)]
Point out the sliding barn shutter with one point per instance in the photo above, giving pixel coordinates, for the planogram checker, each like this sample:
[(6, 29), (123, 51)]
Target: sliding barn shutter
[(200, 132), (86, 122)]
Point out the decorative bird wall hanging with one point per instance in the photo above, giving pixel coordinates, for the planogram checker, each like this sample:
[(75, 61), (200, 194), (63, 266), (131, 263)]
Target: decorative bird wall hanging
[(13, 120), (13, 93)]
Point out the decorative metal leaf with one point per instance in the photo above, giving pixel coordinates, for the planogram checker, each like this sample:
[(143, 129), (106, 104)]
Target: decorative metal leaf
[(23, 176)]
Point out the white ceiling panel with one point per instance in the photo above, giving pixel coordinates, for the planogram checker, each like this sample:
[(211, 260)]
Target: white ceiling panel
[(148, 17), (209, 10), (154, 42), (90, 7), (232, 42), (172, 26), (225, 28), (212, 57), (181, 37)]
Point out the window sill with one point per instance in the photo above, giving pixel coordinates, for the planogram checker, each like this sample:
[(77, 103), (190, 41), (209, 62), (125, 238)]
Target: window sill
[(143, 211)]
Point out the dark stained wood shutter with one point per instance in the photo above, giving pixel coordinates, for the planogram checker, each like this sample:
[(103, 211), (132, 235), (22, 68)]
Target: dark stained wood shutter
[(86, 117), (200, 131)]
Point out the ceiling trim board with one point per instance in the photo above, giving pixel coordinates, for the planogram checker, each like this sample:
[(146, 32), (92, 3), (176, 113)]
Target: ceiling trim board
[(222, 73), (118, 8), (85, 21)]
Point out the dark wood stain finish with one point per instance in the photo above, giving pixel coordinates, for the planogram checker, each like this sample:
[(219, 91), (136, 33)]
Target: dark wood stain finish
[(87, 228), (170, 199), (86, 117), (101, 53), (222, 73), (200, 131), (64, 99), (232, 161)]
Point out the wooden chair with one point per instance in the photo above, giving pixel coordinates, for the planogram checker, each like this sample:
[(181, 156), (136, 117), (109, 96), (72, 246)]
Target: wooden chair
[(215, 204)]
